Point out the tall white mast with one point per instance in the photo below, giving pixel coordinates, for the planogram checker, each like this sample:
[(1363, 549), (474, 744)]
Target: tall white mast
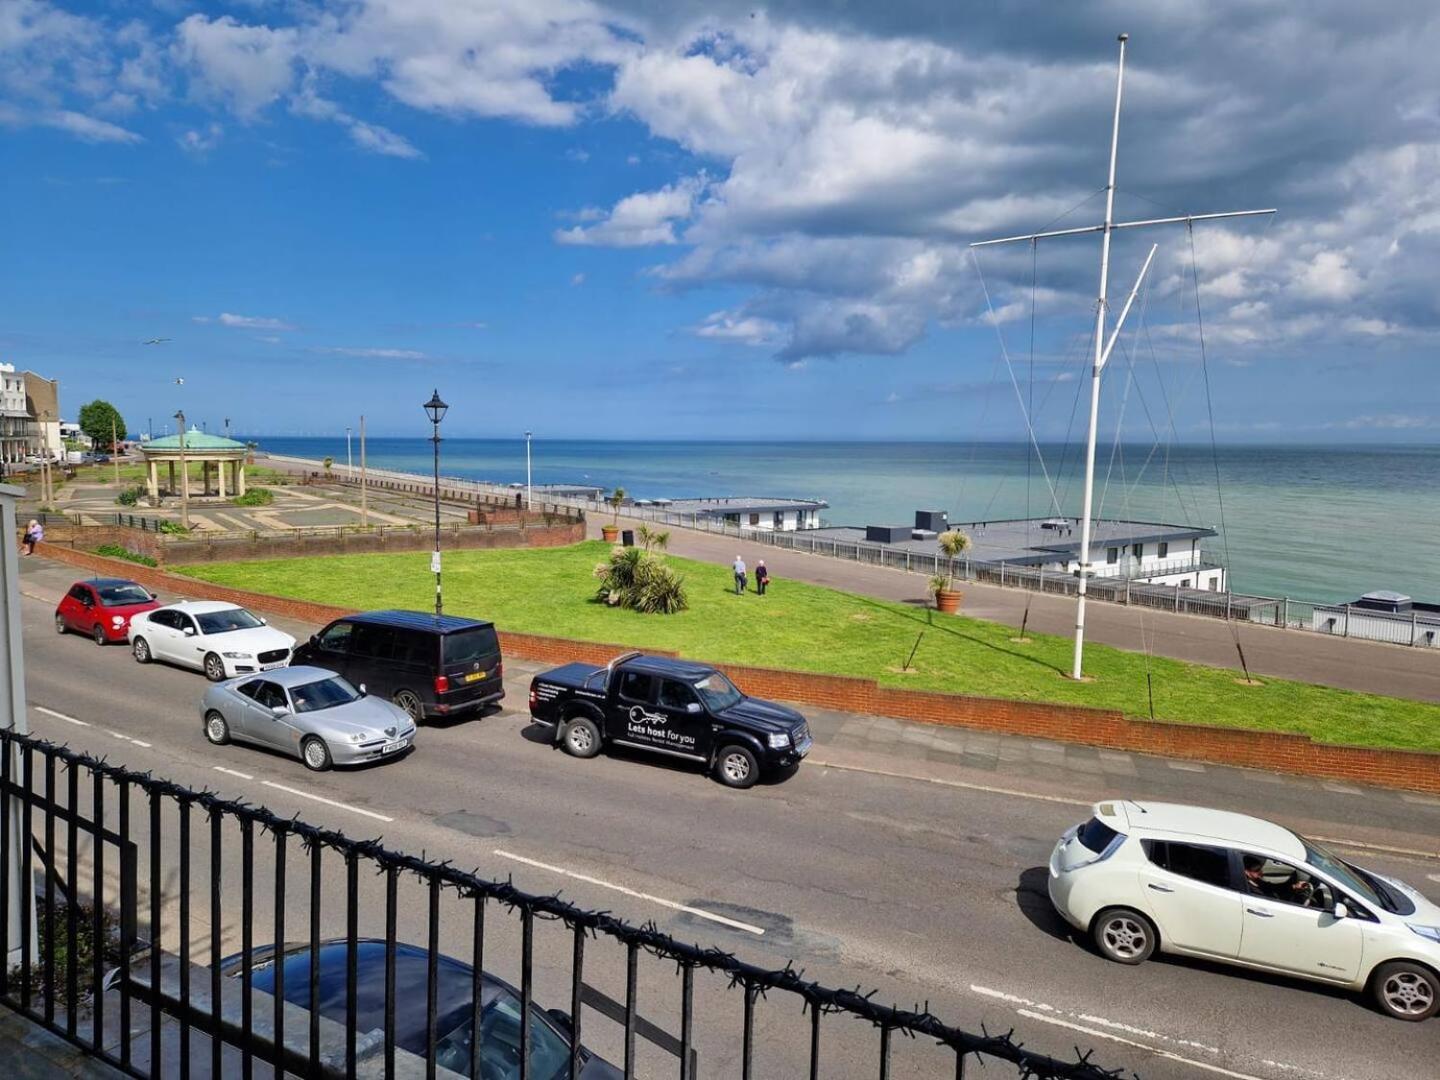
[(1102, 349)]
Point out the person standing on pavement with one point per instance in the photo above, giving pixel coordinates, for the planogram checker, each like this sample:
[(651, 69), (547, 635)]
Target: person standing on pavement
[(739, 568), (762, 577)]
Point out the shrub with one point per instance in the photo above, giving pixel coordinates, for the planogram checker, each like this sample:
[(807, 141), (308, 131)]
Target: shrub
[(130, 496), (172, 528), (83, 946), (115, 551), (640, 581), (255, 497)]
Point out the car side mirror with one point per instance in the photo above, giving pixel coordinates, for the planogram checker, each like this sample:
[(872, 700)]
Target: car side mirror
[(1340, 911), (189, 631), (154, 596), (314, 639), (562, 1020), (363, 691), (694, 708), (262, 620), (279, 711)]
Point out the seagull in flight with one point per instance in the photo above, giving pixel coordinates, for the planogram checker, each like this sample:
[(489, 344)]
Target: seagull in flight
[(156, 341), (179, 382)]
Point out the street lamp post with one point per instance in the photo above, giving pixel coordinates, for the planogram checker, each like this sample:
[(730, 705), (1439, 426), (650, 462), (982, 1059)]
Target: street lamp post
[(349, 461), (529, 493), (435, 409), (184, 471)]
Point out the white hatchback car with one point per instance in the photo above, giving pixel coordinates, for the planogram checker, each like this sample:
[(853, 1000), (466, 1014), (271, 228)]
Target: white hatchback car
[(1141, 876), (222, 640)]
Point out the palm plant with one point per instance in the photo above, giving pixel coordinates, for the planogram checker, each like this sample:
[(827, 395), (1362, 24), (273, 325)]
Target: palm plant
[(616, 500), (953, 543), (635, 579), (658, 539)]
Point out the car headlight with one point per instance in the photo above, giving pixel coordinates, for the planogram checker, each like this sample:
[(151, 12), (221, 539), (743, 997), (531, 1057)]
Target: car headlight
[(238, 656), (117, 620), (1431, 932), (359, 736), (780, 741)]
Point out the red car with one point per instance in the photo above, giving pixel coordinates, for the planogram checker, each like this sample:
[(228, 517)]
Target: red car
[(101, 608)]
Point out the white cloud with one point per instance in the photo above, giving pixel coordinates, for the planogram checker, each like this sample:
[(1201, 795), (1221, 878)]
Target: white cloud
[(578, 279), (372, 137), (374, 353), (88, 128), (733, 326), (248, 67), (200, 141), (1386, 422), (244, 322), (641, 219)]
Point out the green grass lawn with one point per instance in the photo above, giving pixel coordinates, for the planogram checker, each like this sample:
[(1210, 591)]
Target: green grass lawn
[(550, 591)]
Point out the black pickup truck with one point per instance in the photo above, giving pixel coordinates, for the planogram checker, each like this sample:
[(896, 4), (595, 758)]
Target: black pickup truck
[(671, 707)]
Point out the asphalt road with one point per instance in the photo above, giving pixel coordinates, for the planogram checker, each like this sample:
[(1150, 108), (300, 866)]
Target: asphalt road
[(927, 892)]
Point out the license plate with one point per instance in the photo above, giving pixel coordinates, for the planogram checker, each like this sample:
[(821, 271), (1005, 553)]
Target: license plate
[(475, 676), (271, 667), (804, 748), (391, 747)]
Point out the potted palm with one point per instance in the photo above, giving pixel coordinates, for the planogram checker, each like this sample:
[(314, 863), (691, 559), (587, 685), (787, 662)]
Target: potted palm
[(611, 532), (953, 544)]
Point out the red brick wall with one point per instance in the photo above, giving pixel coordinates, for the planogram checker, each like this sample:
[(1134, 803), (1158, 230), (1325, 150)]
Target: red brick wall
[(1408, 769)]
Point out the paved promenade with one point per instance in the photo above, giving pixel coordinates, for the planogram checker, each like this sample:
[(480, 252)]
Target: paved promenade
[(1287, 654)]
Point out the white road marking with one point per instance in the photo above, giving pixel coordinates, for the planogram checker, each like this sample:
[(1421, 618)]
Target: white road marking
[(1338, 788), (1186, 766), (1419, 800), (1433, 877), (953, 783), (698, 912), (327, 802), (233, 772), (60, 716), (1115, 1025), (1031, 1014)]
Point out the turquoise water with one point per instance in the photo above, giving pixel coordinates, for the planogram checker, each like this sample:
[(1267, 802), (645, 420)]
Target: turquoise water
[(1316, 523)]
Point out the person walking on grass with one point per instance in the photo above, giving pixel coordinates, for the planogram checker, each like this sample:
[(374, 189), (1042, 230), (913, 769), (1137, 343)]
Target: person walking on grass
[(762, 577), (739, 568)]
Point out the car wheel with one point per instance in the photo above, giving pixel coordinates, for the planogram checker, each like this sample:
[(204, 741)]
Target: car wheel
[(315, 754), (97, 635), (581, 738), (60, 627), (214, 667), (141, 651), (410, 702), (216, 729), (1125, 936), (1406, 990), (736, 767)]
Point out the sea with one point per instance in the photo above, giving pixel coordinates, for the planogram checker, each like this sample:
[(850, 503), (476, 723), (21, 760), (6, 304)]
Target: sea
[(1309, 522)]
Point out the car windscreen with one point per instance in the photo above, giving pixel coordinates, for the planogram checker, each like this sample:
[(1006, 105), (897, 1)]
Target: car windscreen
[(1095, 835), (477, 645), (1354, 880), (718, 692), (222, 622), (323, 694), (122, 595)]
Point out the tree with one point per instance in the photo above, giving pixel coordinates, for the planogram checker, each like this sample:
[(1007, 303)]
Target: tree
[(953, 544), (616, 500), (101, 423)]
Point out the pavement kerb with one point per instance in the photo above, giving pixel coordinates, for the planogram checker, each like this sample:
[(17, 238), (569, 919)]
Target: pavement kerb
[(1410, 770)]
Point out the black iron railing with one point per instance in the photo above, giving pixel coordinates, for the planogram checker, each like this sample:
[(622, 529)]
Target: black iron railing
[(155, 980)]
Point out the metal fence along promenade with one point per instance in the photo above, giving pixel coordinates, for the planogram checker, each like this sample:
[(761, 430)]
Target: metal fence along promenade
[(1416, 629), (190, 889)]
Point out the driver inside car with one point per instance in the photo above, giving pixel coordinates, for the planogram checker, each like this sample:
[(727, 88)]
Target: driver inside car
[(1294, 888)]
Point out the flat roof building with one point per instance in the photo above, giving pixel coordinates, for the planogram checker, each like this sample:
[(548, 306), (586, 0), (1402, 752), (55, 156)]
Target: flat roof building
[(1145, 551)]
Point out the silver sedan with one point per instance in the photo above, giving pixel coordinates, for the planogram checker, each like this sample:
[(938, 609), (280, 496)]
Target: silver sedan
[(309, 713)]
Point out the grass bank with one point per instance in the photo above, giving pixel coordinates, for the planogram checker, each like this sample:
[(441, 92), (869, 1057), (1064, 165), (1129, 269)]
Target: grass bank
[(806, 627)]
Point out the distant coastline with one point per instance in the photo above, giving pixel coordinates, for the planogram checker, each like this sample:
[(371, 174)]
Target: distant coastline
[(1305, 521)]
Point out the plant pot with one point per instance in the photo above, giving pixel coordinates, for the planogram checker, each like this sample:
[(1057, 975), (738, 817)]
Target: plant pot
[(610, 533), (947, 601)]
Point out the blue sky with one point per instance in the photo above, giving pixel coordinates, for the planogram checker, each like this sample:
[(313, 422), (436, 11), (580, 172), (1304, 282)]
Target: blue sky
[(715, 220)]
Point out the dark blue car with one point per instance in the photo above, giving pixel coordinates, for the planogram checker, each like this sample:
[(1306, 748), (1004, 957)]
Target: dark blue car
[(499, 1009)]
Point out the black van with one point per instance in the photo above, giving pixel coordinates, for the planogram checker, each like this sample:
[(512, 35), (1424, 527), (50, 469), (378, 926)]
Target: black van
[(429, 665)]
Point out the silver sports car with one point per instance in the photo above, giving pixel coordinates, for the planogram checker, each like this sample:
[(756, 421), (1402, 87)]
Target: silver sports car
[(309, 713)]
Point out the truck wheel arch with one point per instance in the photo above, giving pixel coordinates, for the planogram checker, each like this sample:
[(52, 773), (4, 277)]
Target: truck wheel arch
[(585, 709), (730, 737)]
